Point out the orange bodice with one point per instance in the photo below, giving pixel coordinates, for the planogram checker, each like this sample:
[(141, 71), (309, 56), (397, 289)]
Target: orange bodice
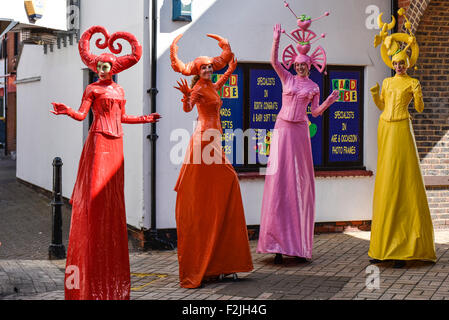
[(208, 103)]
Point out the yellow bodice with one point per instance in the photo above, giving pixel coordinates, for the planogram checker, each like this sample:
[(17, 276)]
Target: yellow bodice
[(397, 93)]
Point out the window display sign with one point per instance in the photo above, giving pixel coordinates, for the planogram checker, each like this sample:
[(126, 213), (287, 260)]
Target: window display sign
[(344, 117), (252, 99), (266, 102), (231, 112)]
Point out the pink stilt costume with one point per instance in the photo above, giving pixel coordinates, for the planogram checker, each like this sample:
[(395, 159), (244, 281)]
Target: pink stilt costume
[(288, 206)]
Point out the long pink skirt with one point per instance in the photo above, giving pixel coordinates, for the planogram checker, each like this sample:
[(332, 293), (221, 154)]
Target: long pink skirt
[(288, 206)]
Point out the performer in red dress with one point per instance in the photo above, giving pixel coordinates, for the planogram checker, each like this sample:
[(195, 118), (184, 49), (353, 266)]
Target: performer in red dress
[(97, 257)]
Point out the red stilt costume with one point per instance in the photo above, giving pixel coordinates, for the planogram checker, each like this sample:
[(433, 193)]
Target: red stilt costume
[(97, 257)]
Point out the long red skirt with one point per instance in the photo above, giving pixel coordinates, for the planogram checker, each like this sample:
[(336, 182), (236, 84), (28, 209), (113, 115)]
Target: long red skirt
[(97, 256)]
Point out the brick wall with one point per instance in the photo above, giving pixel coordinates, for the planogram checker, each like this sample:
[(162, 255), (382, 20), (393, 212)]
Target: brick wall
[(402, 4), (430, 19), (415, 10)]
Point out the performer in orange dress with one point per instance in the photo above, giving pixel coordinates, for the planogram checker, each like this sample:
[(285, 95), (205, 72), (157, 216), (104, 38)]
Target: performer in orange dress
[(97, 255), (211, 227)]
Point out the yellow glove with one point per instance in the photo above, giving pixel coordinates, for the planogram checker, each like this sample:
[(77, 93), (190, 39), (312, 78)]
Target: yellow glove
[(375, 90)]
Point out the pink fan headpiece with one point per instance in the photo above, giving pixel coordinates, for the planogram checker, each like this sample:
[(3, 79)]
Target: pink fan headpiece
[(304, 38)]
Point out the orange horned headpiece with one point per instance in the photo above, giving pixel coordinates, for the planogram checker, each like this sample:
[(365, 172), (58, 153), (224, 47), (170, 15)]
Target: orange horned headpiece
[(118, 63), (193, 67)]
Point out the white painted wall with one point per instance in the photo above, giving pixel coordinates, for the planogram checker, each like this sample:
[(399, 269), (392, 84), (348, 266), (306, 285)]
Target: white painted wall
[(248, 25), (54, 15), (41, 136)]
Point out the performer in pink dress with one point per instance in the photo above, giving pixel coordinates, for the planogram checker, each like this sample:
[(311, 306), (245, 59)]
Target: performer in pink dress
[(288, 206)]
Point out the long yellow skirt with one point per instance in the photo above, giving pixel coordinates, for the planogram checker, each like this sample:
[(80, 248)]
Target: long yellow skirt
[(401, 225)]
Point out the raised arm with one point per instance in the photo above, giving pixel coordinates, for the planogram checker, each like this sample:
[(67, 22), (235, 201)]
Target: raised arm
[(417, 97), (220, 83), (317, 109), (282, 73), (378, 98), (190, 96)]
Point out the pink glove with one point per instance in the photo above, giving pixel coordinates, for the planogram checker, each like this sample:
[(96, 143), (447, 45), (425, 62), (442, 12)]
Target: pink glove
[(277, 32)]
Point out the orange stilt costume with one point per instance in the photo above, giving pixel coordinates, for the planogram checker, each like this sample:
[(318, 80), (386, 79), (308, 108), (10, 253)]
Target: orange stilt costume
[(212, 234)]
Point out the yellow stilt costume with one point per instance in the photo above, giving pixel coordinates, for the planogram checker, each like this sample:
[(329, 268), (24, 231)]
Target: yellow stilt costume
[(401, 224)]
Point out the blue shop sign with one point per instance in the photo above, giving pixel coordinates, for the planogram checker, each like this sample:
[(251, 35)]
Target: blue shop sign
[(182, 10)]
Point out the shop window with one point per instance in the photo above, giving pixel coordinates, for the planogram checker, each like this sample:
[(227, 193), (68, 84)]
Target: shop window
[(252, 98)]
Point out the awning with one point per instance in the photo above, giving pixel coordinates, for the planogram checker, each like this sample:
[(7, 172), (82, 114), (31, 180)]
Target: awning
[(13, 15), (6, 26)]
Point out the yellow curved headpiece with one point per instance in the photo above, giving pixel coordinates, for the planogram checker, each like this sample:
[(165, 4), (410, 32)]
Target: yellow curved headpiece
[(390, 44), (401, 56)]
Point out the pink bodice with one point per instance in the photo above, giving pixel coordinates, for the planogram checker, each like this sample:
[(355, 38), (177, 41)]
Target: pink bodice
[(297, 94)]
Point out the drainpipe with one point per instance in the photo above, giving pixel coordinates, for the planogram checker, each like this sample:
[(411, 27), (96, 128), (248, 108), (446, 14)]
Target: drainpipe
[(5, 95), (154, 241), (394, 12)]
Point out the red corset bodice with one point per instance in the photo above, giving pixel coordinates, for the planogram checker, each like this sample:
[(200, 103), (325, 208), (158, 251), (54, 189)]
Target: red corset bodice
[(107, 106)]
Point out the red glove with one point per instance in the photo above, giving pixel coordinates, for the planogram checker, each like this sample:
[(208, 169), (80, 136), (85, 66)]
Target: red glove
[(60, 108), (154, 117)]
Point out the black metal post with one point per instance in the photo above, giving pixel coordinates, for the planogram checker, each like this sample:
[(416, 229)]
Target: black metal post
[(57, 249), (153, 136)]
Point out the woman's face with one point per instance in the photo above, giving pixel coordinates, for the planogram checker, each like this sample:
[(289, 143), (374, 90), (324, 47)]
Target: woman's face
[(400, 67), (206, 71), (302, 69), (104, 70)]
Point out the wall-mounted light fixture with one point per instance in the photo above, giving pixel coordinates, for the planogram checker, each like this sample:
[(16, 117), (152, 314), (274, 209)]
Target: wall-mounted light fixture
[(34, 9), (182, 10)]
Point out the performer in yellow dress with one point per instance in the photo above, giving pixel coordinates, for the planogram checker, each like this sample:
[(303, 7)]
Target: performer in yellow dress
[(401, 224)]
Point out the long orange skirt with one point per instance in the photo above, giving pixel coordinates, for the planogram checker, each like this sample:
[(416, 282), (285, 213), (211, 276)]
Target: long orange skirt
[(211, 227)]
